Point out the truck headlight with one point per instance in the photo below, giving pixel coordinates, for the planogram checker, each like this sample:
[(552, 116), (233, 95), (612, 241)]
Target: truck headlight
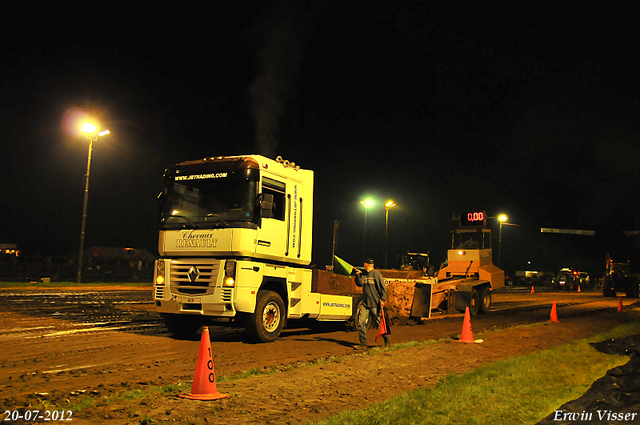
[(160, 272), (229, 273)]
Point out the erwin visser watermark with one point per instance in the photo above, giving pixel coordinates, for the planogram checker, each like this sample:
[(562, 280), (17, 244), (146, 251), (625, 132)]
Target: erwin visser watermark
[(598, 415)]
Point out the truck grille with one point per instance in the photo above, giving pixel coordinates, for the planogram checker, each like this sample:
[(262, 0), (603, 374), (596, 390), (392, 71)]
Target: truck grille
[(195, 277)]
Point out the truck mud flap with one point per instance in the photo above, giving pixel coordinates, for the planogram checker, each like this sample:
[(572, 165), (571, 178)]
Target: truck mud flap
[(421, 305)]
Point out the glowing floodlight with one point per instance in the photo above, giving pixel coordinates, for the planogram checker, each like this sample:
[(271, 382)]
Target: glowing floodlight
[(89, 128)]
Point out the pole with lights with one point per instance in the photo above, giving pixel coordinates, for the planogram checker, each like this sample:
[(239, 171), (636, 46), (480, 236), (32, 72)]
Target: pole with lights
[(367, 204), (501, 218), (90, 130), (387, 206)]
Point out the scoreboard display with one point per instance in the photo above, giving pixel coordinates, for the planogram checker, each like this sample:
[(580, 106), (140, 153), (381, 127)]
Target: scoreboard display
[(473, 219)]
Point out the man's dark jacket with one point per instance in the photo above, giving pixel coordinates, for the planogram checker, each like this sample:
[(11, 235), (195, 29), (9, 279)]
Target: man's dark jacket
[(373, 288)]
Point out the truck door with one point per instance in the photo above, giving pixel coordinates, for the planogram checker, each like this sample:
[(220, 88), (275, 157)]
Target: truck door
[(272, 236)]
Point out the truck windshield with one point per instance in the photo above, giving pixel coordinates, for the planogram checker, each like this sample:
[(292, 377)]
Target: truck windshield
[(208, 204)]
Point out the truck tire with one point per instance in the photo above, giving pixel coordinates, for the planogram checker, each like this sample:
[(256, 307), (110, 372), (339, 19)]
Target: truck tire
[(357, 318), (351, 324), (485, 299), (632, 289), (474, 302), (181, 325), (267, 322)]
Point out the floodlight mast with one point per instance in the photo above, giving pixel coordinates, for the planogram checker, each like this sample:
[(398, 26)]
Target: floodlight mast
[(367, 204), (501, 218), (387, 206), (90, 130)]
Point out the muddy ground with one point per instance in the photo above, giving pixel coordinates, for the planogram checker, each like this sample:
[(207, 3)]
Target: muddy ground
[(59, 345)]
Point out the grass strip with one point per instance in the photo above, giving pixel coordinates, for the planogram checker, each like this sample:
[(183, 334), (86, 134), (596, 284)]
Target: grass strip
[(519, 390)]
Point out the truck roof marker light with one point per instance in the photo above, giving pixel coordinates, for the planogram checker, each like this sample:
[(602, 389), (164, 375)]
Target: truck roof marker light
[(265, 165), (461, 252), (286, 163)]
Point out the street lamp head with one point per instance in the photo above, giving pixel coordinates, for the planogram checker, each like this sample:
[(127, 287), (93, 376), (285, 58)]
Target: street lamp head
[(389, 204), (89, 128), (367, 203), (502, 217)]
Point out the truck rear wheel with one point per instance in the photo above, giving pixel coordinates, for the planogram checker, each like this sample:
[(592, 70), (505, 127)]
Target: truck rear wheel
[(181, 325), (474, 302), (267, 322), (357, 318), (485, 299)]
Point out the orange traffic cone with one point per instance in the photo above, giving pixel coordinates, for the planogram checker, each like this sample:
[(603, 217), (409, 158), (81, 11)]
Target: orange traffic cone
[(554, 313), (579, 288), (532, 291), (467, 334), (204, 380), (620, 306)]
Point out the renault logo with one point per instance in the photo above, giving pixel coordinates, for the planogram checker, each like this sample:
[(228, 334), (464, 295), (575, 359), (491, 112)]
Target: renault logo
[(193, 274)]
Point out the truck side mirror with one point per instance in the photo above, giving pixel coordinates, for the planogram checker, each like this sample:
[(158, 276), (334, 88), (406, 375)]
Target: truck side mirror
[(266, 205)]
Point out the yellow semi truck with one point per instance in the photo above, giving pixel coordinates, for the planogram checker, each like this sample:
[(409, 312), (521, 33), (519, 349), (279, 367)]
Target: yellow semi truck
[(235, 247)]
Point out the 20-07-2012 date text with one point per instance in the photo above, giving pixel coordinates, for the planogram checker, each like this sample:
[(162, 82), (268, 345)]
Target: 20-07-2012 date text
[(37, 415)]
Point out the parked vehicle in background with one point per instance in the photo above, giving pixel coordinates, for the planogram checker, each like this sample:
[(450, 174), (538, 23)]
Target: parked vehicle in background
[(567, 279), (618, 278)]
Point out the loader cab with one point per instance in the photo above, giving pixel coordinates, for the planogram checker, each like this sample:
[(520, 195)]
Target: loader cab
[(472, 246), (472, 263), (471, 239)]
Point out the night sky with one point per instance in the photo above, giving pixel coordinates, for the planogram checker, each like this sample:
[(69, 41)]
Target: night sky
[(526, 108)]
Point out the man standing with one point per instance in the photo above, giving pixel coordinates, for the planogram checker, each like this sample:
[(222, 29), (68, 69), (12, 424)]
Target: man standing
[(374, 294)]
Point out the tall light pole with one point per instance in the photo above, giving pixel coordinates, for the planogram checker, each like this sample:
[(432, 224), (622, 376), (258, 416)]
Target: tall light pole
[(367, 204), (90, 130), (502, 218), (387, 206)]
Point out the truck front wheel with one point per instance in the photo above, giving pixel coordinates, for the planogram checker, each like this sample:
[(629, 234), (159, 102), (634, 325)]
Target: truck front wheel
[(267, 322)]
